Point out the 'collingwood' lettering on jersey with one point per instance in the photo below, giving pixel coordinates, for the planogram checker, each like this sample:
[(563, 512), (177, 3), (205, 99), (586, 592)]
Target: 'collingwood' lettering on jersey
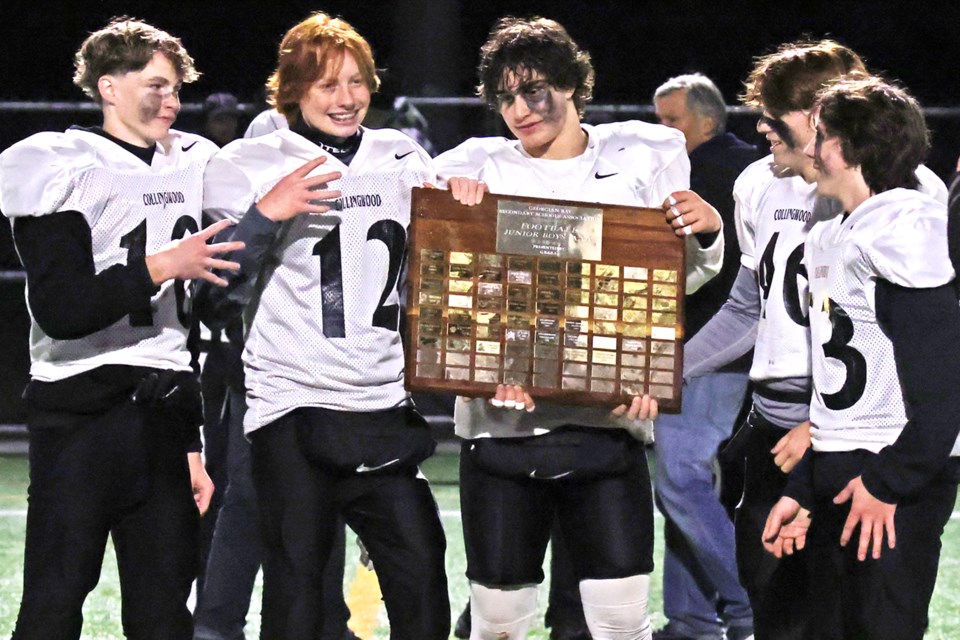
[(323, 329), (801, 215), (163, 198), (133, 210), (366, 200)]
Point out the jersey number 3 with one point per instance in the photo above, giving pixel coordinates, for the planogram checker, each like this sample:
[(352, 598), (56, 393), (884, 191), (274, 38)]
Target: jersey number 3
[(387, 316), (838, 348)]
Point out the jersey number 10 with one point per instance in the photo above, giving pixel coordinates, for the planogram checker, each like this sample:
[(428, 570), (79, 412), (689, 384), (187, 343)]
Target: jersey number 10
[(135, 242)]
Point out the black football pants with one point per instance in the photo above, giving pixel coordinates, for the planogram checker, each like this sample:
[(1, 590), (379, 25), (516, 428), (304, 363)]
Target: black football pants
[(884, 599), (778, 588), (123, 473), (394, 514)]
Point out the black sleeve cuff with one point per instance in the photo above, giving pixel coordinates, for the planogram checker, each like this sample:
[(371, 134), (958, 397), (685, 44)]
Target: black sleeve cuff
[(707, 238), (800, 481)]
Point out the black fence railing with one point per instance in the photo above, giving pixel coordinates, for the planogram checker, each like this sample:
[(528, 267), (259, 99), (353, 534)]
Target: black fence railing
[(451, 120)]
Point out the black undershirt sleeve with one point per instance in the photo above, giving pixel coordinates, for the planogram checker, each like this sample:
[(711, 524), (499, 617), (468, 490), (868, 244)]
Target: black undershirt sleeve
[(68, 299), (707, 238), (800, 481), (217, 306), (924, 327)]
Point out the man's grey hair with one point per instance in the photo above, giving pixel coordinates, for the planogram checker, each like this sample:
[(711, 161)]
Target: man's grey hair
[(703, 97)]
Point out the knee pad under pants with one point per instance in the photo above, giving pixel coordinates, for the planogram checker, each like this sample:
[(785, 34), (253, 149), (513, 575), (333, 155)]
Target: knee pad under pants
[(616, 609), (502, 614)]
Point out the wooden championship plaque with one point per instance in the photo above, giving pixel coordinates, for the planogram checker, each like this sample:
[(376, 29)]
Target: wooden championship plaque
[(577, 302)]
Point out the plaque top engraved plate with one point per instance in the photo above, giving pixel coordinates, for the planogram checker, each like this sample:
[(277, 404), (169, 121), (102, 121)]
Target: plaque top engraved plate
[(581, 303)]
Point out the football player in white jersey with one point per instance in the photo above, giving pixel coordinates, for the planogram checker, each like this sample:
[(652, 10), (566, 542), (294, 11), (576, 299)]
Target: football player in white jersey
[(885, 330), (539, 80), (102, 219), (324, 208), (776, 205)]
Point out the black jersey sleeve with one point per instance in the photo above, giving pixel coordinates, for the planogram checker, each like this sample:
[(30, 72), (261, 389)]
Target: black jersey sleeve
[(924, 327), (800, 481), (217, 306), (68, 298)]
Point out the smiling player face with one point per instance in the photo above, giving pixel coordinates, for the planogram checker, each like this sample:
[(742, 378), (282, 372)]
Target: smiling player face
[(337, 102), (788, 136)]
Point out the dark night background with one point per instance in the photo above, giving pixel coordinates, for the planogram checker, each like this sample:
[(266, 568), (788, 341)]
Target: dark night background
[(431, 48), (433, 45)]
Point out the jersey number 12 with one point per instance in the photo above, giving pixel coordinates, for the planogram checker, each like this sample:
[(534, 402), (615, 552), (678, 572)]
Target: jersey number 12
[(387, 316)]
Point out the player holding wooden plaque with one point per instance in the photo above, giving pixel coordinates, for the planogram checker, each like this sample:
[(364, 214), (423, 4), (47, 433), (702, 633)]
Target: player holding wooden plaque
[(577, 302)]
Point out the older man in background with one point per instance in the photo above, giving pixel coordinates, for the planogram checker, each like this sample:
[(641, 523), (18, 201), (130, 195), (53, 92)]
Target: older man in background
[(701, 590)]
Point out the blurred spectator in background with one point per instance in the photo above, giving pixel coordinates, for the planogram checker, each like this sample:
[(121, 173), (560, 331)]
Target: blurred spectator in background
[(700, 581), (221, 118)]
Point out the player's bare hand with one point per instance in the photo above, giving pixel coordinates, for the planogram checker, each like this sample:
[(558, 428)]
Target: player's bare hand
[(510, 396), (468, 191), (874, 517), (780, 526), (688, 213), (792, 536), (637, 417), (297, 193), (201, 482), (791, 447), (191, 257), (641, 408)]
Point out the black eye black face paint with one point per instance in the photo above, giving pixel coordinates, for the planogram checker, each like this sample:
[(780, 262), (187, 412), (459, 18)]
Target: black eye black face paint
[(541, 101), (150, 107), (781, 129)]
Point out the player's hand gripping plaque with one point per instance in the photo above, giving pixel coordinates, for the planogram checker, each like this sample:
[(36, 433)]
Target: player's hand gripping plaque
[(577, 302)]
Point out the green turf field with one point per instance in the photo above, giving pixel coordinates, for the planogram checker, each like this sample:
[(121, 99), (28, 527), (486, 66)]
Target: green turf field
[(102, 611)]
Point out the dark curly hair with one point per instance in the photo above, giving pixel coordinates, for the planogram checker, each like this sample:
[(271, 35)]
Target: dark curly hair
[(881, 128), (536, 45)]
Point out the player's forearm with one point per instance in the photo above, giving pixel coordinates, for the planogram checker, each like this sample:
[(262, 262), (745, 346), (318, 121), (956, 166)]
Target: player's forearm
[(729, 334), (924, 326), (216, 306), (68, 299)]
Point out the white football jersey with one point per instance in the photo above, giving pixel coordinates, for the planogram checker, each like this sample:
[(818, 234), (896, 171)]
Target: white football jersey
[(773, 217), (899, 236), (132, 209), (265, 122), (627, 163), (323, 329)]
